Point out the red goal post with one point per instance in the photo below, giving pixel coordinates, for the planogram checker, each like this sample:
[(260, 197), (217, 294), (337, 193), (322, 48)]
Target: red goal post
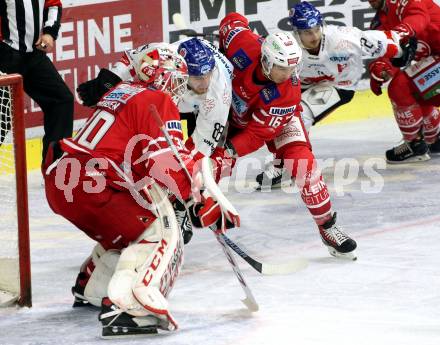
[(13, 150)]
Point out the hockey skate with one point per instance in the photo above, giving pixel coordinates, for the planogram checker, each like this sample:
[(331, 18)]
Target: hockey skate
[(183, 221), (408, 152), (78, 292), (338, 243), (434, 148), (270, 178), (117, 324)]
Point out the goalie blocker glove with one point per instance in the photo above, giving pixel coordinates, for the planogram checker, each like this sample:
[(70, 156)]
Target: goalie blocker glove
[(91, 91)]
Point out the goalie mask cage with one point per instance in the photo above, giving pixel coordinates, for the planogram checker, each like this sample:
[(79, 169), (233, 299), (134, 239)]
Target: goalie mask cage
[(15, 278)]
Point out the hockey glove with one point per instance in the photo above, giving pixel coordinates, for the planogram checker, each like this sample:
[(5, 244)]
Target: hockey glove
[(408, 43), (91, 91), (380, 72), (222, 225), (224, 159), (205, 213)]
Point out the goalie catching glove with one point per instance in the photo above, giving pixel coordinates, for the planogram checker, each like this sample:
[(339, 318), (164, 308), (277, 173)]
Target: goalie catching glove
[(91, 91)]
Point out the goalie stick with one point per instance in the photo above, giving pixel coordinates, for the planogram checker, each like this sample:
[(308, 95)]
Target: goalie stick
[(249, 301)]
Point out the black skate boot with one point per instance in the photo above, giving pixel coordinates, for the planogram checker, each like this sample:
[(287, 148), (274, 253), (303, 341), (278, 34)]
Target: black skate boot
[(117, 324), (183, 221), (408, 152), (434, 148), (78, 291), (338, 243), (270, 178)]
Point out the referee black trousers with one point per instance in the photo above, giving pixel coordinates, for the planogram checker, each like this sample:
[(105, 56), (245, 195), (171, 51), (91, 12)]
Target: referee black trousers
[(44, 85)]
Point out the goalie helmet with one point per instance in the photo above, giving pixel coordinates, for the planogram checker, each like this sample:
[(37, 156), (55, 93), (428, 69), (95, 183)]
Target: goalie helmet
[(304, 16), (165, 70), (280, 49), (198, 57)]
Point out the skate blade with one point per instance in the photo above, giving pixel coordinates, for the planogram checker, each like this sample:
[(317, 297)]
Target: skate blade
[(421, 158), (346, 256), (266, 188), (112, 332)]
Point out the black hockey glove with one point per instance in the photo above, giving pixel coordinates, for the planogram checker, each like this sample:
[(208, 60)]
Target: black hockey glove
[(91, 91), (409, 48)]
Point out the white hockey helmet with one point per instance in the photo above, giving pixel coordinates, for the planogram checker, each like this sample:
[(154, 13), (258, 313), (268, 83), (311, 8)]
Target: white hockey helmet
[(165, 70), (280, 49)]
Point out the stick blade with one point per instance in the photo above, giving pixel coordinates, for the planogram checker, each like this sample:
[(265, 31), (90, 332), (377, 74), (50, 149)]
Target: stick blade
[(252, 305), (284, 269)]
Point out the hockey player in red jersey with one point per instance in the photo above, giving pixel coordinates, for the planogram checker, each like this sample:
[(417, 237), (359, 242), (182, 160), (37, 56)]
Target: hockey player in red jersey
[(415, 91), (107, 183), (332, 66), (266, 110)]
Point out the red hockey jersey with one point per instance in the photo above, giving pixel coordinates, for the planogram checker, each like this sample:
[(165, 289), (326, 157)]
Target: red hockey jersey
[(423, 16), (123, 132), (260, 108)]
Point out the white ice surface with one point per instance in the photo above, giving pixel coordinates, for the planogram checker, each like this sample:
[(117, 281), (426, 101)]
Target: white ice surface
[(390, 296)]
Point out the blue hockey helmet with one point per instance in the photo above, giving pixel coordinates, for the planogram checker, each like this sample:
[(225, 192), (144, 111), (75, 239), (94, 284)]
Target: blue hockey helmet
[(304, 16), (198, 57)]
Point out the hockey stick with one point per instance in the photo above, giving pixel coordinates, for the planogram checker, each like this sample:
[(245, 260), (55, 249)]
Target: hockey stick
[(182, 26), (263, 268), (249, 301)]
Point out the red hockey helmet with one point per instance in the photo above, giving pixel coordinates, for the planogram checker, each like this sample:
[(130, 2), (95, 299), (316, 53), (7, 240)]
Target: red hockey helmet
[(165, 70)]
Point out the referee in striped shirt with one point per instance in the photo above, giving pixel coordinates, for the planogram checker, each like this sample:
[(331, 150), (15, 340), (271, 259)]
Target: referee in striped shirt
[(28, 31)]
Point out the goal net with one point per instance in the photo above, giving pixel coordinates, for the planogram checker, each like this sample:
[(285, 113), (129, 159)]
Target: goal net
[(15, 285)]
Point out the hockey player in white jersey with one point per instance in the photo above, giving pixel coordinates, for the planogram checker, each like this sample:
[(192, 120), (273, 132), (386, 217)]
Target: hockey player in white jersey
[(209, 88), (332, 66), (205, 105)]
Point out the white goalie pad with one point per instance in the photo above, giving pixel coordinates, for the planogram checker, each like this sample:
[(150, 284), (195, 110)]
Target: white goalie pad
[(148, 268), (105, 264), (315, 101)]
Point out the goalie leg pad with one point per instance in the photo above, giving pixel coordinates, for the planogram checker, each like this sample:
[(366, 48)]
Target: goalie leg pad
[(147, 268), (105, 264), (95, 274)]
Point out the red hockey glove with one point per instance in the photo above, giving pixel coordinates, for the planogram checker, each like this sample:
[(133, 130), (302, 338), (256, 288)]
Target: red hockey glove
[(223, 163), (205, 213), (380, 72), (404, 30), (226, 222)]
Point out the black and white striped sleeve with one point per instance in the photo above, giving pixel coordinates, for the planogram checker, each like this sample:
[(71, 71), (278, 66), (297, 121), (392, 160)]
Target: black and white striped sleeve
[(52, 17)]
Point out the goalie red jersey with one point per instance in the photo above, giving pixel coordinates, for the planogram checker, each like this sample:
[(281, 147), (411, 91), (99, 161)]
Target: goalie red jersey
[(119, 149), (124, 133), (260, 106)]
